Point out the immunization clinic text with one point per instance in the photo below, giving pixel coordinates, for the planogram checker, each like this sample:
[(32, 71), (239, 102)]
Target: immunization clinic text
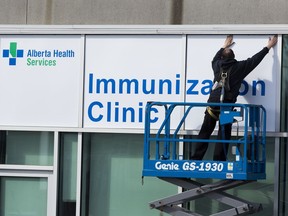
[(115, 111)]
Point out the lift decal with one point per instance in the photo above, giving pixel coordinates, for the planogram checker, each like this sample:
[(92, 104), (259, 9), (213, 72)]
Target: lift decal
[(193, 166)]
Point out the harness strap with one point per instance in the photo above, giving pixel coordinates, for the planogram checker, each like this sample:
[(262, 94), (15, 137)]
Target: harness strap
[(211, 112), (222, 80)]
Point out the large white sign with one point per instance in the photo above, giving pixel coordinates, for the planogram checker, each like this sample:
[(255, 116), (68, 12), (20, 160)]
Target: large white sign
[(261, 86), (124, 72), (40, 80)]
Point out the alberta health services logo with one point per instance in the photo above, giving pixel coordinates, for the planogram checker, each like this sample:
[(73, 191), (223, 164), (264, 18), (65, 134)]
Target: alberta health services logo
[(13, 53), (35, 57)]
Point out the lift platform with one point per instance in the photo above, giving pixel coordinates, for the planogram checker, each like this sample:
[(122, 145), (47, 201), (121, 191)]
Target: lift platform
[(163, 158)]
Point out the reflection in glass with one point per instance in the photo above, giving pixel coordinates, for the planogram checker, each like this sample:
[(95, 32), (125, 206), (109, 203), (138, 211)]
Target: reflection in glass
[(67, 174), (261, 192), (111, 177), (26, 148), (23, 196), (283, 172)]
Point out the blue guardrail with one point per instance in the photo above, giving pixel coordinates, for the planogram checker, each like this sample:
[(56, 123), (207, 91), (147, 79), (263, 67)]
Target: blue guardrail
[(162, 145)]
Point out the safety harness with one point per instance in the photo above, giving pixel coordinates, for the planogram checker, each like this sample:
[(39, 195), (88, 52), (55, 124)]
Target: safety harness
[(222, 81)]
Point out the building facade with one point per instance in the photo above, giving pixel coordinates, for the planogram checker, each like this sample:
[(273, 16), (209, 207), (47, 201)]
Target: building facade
[(72, 113)]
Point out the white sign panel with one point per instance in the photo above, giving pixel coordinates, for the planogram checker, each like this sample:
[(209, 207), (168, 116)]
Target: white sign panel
[(123, 72), (261, 86), (40, 80)]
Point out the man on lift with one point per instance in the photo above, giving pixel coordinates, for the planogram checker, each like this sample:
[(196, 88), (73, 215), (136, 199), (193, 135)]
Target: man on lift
[(228, 76)]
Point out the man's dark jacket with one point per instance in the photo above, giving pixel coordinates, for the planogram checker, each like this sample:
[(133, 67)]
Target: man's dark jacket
[(239, 70)]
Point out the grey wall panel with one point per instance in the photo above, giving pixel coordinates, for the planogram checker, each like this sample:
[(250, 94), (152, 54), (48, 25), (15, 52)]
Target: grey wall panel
[(111, 12), (40, 12), (138, 12), (92, 12), (13, 11), (235, 12)]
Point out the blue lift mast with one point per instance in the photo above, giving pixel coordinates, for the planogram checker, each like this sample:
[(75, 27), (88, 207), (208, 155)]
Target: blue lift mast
[(162, 158)]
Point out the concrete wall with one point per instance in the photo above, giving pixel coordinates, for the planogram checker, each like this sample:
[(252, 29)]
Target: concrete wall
[(158, 12)]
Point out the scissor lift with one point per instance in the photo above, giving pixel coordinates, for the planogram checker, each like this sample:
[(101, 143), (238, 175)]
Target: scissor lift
[(163, 160)]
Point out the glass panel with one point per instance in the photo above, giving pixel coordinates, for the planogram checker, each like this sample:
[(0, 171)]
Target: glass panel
[(26, 148), (283, 178), (23, 196), (261, 192), (284, 86), (111, 178), (283, 183), (67, 174)]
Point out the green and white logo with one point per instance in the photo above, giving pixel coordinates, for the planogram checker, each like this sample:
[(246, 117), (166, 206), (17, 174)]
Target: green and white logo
[(35, 57)]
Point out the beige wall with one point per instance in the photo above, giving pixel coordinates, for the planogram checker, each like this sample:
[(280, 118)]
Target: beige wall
[(158, 12)]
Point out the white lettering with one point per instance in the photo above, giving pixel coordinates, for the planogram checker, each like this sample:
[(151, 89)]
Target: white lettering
[(166, 166), (189, 166)]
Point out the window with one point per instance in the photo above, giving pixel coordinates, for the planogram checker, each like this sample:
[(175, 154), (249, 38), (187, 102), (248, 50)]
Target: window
[(22, 196), (67, 174), (111, 177), (283, 172), (261, 192), (26, 148)]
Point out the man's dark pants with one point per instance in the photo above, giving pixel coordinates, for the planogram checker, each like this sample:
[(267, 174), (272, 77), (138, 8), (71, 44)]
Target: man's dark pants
[(206, 130)]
